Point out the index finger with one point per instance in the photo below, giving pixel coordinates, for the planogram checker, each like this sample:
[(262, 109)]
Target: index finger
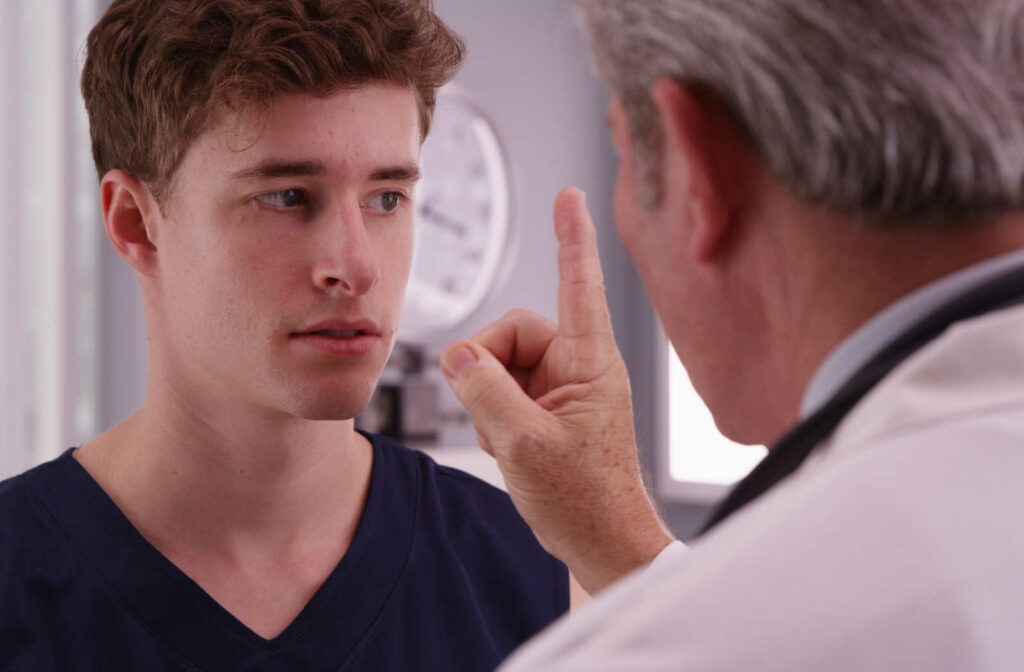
[(582, 306)]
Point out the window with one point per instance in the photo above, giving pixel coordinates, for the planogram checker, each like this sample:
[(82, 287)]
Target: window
[(697, 463)]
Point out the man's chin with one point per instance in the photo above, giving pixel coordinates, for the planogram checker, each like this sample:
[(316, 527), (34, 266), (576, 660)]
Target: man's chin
[(329, 398), (329, 407)]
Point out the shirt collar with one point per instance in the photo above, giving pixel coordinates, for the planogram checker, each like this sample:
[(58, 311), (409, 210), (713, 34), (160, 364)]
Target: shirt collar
[(865, 342)]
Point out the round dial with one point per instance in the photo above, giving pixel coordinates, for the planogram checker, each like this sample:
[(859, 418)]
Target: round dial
[(462, 219)]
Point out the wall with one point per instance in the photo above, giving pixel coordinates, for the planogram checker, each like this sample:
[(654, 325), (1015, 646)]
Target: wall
[(527, 67), (11, 434)]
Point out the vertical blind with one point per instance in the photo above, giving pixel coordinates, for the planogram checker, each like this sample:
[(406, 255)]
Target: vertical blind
[(50, 235)]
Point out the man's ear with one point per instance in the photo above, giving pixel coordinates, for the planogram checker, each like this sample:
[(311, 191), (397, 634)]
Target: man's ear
[(129, 217), (712, 158)]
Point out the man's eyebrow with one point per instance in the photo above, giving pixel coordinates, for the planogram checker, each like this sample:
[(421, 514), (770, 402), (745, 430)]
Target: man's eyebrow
[(271, 169), (403, 173), (408, 172)]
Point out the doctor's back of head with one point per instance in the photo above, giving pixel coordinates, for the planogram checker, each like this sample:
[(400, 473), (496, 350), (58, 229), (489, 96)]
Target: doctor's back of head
[(891, 133)]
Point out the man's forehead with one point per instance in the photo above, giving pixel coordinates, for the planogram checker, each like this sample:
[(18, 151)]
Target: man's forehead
[(378, 104), (365, 130)]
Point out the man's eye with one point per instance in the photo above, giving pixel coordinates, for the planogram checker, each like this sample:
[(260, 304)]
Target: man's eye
[(286, 198), (387, 201)]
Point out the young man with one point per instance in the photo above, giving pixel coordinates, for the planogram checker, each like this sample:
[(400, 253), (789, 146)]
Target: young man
[(257, 162)]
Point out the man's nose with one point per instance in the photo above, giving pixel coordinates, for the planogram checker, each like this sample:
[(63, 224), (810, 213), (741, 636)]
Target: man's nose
[(346, 261)]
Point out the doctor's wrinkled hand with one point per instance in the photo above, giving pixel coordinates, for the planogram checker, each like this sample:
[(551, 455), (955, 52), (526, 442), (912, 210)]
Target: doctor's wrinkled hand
[(552, 404)]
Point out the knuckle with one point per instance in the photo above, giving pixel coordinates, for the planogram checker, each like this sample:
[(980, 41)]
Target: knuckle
[(519, 315)]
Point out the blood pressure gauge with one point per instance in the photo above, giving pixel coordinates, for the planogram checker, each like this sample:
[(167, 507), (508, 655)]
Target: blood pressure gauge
[(462, 219)]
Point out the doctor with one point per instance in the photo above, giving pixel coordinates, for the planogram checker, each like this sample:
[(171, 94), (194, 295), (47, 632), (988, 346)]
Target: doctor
[(824, 200)]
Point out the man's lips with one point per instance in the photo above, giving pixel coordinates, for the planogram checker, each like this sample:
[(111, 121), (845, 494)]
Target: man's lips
[(340, 329), (343, 338)]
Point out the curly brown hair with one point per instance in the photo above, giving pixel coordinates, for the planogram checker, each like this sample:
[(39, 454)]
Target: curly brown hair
[(158, 72)]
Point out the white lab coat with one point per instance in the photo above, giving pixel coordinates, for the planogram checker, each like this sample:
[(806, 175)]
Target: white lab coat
[(899, 546)]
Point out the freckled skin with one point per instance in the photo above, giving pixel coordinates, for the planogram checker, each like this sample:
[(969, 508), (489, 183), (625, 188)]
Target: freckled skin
[(237, 278)]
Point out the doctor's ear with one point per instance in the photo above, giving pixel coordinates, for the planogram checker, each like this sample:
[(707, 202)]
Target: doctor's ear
[(708, 155), (129, 218)]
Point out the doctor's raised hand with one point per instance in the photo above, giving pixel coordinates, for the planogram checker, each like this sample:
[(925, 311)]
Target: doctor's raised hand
[(552, 404)]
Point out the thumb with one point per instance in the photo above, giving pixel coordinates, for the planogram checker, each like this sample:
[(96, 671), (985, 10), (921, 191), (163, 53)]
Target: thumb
[(486, 389)]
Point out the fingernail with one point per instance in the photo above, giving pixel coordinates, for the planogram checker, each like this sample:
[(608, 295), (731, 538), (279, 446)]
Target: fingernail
[(459, 360)]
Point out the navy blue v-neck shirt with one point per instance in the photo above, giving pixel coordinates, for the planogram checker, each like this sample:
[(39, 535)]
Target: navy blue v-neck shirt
[(442, 575)]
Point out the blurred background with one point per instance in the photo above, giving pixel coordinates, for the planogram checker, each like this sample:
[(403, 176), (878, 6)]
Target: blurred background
[(525, 118)]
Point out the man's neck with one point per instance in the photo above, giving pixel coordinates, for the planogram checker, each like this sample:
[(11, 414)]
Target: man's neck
[(844, 277), (231, 483), (865, 342), (257, 509)]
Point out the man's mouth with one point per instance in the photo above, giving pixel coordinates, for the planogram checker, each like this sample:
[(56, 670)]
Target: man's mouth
[(340, 328), (334, 333), (341, 337)]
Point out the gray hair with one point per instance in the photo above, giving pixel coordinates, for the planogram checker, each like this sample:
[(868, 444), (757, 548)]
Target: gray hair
[(902, 111)]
